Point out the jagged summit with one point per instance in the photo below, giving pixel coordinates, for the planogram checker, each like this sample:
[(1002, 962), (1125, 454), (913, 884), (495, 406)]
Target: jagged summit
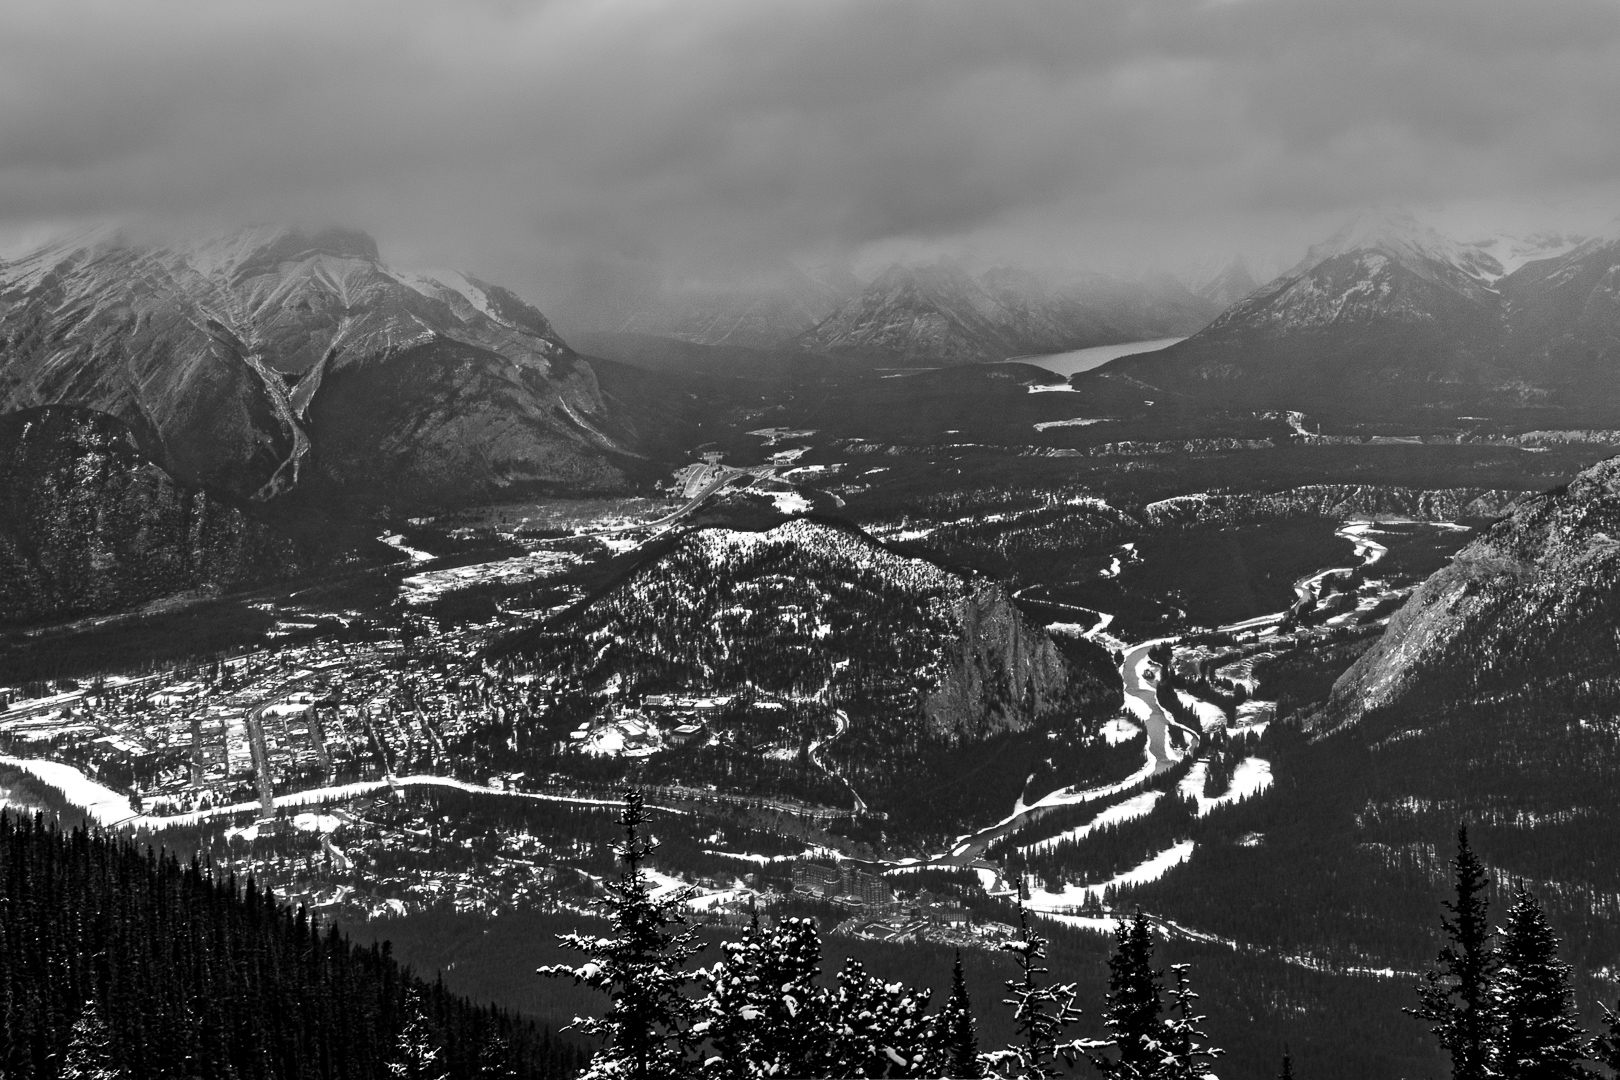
[(1231, 284), (1390, 313), (253, 360)]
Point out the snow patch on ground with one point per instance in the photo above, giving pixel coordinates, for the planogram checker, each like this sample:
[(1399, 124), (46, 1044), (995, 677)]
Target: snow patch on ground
[(102, 804), (1135, 807), (1072, 896), (790, 502), (1078, 421), (1251, 777), (1210, 716), (397, 542), (316, 823), (1119, 730)]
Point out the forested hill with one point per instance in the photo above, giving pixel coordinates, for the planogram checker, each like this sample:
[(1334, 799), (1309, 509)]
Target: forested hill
[(1526, 613), (118, 958), (822, 615)]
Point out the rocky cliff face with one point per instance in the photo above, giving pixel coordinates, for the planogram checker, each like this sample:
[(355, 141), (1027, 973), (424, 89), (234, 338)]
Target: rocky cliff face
[(87, 526), (1530, 610), (1000, 673), (269, 359)]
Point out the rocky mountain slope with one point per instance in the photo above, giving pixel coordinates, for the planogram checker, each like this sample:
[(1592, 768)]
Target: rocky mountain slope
[(823, 615), (941, 314), (1527, 612), (1233, 283), (88, 526), (272, 359), (1389, 314)]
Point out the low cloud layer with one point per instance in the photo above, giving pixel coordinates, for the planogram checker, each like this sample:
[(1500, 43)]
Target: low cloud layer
[(575, 150)]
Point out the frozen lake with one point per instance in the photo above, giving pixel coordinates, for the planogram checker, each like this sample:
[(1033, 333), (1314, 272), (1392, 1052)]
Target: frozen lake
[(1070, 363)]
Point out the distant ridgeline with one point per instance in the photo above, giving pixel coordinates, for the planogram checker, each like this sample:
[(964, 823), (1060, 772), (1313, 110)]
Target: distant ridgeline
[(883, 658), (88, 525), (117, 958)]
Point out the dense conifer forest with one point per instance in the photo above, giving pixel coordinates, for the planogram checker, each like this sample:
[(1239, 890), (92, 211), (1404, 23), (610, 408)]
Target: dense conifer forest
[(123, 959)]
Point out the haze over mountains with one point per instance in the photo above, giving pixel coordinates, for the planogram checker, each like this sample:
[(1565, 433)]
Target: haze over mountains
[(938, 313), (1390, 314)]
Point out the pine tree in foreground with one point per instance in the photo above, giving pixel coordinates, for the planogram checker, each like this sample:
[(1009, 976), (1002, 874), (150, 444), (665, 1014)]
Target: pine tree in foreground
[(1131, 1017), (763, 1014), (957, 1030), (1455, 996), (1538, 1037), (1606, 1047), (1188, 1054), (89, 1051), (640, 965), (1040, 1013), (1287, 1067), (882, 1029), (415, 1055)]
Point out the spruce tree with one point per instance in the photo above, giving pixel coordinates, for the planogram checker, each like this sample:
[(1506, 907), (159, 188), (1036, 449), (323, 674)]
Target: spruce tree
[(957, 1032), (89, 1053), (1187, 1053), (1454, 996), (1606, 1047), (1132, 1015), (881, 1029), (416, 1057), (1040, 1012), (640, 965), (763, 1014), (1287, 1067), (1538, 1037)]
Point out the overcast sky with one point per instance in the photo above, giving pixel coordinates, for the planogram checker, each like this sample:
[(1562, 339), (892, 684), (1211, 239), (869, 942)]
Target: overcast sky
[(569, 148)]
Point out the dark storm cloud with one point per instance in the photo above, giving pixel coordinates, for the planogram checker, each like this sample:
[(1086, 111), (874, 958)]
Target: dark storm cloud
[(591, 142)]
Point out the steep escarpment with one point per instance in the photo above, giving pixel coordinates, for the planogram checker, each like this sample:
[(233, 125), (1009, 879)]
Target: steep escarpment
[(88, 526), (272, 360), (1529, 612), (823, 617)]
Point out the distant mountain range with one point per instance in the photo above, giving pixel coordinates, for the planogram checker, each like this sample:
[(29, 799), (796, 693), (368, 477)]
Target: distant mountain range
[(271, 360), (1390, 314), (937, 314)]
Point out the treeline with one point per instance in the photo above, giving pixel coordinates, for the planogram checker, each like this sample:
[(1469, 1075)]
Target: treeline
[(765, 1009), (121, 962)]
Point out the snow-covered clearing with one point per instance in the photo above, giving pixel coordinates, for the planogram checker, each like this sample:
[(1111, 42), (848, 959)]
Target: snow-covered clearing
[(397, 542), (1052, 388), (1078, 421), (102, 804), (1072, 896), (1119, 730), (1251, 777), (316, 823), (1210, 716), (534, 565), (1135, 807), (790, 502)]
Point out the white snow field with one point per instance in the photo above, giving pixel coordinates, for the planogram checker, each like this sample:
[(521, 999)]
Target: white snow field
[(1129, 810), (1072, 896), (1251, 777)]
